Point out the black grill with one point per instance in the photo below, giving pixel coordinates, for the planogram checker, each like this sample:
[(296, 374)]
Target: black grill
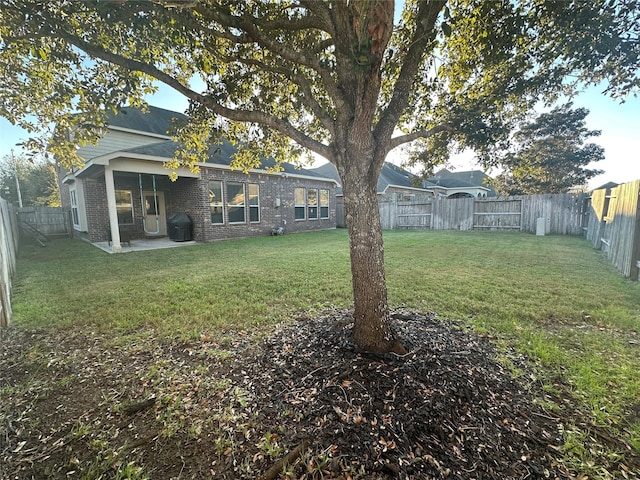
[(179, 226)]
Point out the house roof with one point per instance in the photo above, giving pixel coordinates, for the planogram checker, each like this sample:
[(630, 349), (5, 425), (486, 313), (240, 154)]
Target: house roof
[(219, 155), (328, 170), (159, 121), (391, 175), (156, 120)]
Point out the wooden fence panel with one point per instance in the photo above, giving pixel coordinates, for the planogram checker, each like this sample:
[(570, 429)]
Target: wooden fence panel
[(51, 221), (596, 223), (8, 250), (452, 214), (497, 214), (563, 213), (414, 215), (388, 215), (341, 221), (622, 228)]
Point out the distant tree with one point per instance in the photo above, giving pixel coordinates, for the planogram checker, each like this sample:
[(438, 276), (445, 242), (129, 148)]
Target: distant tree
[(36, 178), (347, 80), (550, 155)]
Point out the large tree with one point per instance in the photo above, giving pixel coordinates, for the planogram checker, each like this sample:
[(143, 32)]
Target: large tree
[(336, 78), (549, 154)]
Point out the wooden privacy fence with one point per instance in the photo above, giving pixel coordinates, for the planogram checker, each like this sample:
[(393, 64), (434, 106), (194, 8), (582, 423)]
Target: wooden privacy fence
[(50, 221), (614, 226), (8, 249), (562, 214)]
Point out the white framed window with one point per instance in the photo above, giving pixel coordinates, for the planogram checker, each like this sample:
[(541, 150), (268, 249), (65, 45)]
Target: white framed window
[(216, 202), (300, 205), (324, 203), (236, 202), (75, 217), (254, 202), (124, 207), (312, 203)]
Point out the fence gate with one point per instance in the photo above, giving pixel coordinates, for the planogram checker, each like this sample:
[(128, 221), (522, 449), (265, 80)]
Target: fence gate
[(497, 214), (50, 221), (414, 215)]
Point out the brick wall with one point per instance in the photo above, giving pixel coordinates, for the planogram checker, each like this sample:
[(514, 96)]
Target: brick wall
[(95, 197), (273, 188), (191, 196)]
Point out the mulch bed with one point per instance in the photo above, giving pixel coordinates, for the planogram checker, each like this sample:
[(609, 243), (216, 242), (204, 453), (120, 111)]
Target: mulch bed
[(77, 404)]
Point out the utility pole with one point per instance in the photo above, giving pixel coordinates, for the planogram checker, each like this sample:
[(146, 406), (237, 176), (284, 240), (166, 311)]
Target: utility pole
[(15, 174)]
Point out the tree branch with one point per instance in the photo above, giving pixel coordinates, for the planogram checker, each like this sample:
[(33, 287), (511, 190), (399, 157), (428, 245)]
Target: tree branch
[(425, 33), (300, 80), (249, 25), (410, 137), (252, 116)]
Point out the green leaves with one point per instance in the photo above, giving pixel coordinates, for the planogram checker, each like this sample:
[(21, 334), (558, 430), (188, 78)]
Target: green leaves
[(550, 154), (315, 73)]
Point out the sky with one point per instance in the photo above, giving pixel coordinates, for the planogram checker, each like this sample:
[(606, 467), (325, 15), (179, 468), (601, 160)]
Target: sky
[(619, 124)]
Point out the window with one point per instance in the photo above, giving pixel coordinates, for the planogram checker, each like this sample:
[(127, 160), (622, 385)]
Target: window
[(254, 202), (216, 202), (74, 208), (124, 207), (324, 203), (312, 203), (300, 205), (236, 202)]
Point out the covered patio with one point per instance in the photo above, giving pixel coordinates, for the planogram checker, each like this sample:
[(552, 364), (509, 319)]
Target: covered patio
[(140, 245)]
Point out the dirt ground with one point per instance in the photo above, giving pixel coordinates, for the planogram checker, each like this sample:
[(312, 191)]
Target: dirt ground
[(301, 402)]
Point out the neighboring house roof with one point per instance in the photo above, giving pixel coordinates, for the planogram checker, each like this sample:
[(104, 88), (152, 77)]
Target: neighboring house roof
[(464, 179), (607, 186), (449, 183), (154, 120), (391, 175)]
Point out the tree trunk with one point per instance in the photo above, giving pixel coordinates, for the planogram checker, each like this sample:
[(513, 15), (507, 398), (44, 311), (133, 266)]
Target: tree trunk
[(372, 329)]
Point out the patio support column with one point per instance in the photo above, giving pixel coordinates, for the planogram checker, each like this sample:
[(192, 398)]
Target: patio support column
[(111, 206)]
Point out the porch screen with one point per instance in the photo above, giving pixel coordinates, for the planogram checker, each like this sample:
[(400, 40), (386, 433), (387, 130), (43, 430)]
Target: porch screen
[(124, 207)]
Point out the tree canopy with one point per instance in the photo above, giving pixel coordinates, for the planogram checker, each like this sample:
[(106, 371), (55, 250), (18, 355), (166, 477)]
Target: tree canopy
[(550, 154), (36, 180), (347, 80)]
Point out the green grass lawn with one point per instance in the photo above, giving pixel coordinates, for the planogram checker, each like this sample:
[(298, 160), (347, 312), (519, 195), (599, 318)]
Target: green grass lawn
[(553, 298)]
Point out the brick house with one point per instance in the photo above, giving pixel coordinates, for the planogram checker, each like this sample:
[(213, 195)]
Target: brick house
[(123, 193)]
